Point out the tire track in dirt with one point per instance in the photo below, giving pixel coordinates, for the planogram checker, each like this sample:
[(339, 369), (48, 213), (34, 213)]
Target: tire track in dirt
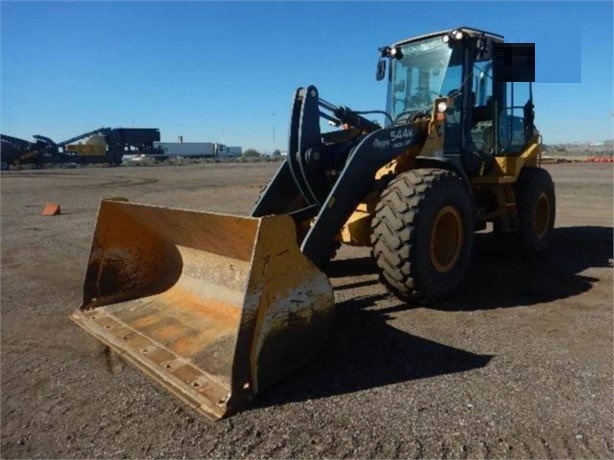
[(550, 447), (113, 181), (540, 447)]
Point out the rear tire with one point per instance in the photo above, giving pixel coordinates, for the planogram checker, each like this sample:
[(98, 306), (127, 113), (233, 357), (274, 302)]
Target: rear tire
[(423, 234), (536, 206)]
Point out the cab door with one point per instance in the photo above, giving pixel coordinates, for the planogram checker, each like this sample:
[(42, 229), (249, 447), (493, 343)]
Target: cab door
[(515, 119), (514, 73)]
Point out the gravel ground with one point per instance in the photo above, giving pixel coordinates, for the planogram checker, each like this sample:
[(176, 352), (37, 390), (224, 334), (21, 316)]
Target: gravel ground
[(518, 364)]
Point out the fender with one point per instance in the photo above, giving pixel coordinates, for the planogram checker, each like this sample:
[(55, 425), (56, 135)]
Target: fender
[(444, 163)]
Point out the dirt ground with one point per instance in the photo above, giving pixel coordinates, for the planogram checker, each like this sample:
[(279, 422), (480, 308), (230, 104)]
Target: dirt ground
[(518, 364)]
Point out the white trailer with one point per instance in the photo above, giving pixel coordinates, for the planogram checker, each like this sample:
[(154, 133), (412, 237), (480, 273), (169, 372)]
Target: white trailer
[(188, 149)]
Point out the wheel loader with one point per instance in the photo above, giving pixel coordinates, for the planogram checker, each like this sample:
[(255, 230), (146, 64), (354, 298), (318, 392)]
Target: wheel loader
[(215, 307)]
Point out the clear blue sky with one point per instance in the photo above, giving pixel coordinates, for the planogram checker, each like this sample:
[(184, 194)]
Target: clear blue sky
[(226, 72)]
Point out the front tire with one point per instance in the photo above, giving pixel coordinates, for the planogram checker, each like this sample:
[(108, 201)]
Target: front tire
[(423, 234)]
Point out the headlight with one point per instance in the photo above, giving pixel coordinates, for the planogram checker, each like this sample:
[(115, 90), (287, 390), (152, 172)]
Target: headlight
[(442, 107), (396, 53), (458, 35), (446, 38)]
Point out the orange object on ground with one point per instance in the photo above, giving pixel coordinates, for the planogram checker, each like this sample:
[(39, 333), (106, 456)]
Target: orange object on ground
[(51, 209)]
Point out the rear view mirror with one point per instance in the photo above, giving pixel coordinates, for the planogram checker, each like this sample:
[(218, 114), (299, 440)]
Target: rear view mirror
[(381, 69)]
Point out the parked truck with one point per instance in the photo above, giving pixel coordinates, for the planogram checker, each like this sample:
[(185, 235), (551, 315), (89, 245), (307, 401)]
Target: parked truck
[(197, 149), (223, 151), (187, 149)]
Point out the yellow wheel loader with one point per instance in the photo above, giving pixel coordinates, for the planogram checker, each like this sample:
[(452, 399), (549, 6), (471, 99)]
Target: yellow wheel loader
[(216, 307)]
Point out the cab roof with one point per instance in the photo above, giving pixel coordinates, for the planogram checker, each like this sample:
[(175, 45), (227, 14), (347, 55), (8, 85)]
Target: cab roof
[(467, 30)]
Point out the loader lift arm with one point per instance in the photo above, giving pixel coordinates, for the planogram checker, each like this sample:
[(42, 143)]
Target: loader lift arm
[(327, 180)]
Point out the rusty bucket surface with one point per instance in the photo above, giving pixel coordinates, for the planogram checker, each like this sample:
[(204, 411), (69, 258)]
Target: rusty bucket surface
[(213, 307)]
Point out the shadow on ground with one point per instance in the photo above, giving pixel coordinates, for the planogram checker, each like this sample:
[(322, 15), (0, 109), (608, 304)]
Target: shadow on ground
[(365, 352), (500, 276)]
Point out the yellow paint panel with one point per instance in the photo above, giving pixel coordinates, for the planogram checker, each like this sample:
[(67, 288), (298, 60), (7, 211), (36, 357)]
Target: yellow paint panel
[(87, 149), (506, 168)]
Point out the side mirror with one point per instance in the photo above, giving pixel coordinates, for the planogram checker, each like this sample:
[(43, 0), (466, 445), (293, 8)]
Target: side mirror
[(381, 69)]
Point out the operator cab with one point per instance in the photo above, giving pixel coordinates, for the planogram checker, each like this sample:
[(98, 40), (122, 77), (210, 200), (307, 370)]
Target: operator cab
[(485, 114)]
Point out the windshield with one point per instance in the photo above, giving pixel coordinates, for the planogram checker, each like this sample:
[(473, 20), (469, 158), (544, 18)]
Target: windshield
[(427, 70)]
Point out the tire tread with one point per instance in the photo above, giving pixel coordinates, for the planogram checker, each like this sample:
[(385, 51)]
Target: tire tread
[(394, 229)]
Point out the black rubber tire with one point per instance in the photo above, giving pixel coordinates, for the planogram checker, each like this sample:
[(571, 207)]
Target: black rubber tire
[(402, 231), (532, 184)]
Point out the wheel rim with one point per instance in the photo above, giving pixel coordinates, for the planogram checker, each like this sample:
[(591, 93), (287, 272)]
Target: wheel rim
[(541, 218), (446, 239)]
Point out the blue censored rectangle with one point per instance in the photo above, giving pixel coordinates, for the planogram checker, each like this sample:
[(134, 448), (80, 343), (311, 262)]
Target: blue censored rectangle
[(558, 57)]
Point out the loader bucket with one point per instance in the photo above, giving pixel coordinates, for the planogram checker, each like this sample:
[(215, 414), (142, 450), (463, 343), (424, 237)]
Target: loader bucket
[(212, 307)]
